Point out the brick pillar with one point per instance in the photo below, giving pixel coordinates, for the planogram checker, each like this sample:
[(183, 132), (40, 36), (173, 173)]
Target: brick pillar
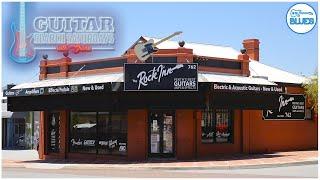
[(185, 134), (64, 66), (131, 57), (137, 134), (244, 59), (43, 69), (252, 47), (184, 55), (63, 134), (42, 135)]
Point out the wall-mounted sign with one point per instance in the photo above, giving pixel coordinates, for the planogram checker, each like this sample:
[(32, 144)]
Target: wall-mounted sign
[(290, 106), (227, 87), (67, 89), (161, 77)]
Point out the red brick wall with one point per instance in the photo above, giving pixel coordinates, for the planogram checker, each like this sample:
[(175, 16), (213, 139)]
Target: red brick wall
[(185, 134), (274, 135), (137, 134)]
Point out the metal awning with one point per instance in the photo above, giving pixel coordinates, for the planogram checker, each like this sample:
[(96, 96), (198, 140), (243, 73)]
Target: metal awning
[(223, 78)]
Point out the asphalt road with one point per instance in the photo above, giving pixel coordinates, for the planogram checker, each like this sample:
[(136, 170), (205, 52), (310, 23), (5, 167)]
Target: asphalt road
[(302, 171)]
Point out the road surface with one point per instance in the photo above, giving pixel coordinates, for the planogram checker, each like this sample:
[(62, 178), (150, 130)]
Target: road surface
[(301, 171)]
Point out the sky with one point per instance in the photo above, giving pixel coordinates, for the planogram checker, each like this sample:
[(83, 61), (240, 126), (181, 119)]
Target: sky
[(226, 24)]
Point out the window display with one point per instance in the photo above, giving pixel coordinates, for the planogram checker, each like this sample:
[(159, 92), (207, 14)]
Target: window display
[(98, 132), (216, 126)]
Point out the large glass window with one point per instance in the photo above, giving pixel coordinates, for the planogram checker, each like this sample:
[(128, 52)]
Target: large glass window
[(112, 133), (83, 132), (107, 132), (216, 126)]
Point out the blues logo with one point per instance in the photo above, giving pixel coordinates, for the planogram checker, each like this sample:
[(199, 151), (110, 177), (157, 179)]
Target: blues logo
[(301, 18)]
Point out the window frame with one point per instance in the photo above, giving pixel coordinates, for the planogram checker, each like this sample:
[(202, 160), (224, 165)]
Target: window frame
[(97, 135), (230, 121)]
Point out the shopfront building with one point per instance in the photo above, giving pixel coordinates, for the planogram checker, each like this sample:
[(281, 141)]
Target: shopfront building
[(188, 101)]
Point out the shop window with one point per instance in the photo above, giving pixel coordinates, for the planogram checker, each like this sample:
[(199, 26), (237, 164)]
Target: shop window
[(216, 126), (207, 128), (112, 133), (53, 130), (98, 132), (83, 132)]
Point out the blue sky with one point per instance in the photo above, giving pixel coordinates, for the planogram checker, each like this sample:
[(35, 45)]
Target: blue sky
[(225, 24)]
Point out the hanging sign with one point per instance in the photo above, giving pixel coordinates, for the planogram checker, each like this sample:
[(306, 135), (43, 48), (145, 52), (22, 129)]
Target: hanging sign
[(161, 77), (290, 107)]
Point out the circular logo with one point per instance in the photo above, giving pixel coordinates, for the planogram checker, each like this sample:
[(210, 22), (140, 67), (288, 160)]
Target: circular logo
[(301, 18)]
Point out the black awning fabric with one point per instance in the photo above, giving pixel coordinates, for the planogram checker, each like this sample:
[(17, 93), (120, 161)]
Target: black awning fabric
[(245, 100), (108, 101)]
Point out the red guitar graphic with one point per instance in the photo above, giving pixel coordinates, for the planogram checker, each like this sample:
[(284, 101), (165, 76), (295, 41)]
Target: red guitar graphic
[(21, 50)]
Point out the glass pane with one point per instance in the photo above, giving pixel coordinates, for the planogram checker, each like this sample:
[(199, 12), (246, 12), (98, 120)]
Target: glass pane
[(167, 133), (118, 136), (222, 125), (54, 123), (155, 133), (103, 135), (83, 132), (207, 127)]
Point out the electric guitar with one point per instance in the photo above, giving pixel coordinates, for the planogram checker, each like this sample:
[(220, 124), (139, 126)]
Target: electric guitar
[(21, 50), (144, 50)]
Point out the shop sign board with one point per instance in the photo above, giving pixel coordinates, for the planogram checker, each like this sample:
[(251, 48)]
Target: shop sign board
[(67, 89), (161, 77), (234, 87), (290, 107)]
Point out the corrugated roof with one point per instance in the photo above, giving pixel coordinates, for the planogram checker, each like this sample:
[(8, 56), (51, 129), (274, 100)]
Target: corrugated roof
[(274, 74), (256, 68), (200, 49)]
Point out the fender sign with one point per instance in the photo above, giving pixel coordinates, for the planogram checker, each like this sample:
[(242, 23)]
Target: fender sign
[(75, 48)]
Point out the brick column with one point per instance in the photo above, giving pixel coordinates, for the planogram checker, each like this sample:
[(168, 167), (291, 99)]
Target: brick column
[(43, 69), (244, 59), (63, 134), (184, 55), (185, 134), (131, 57), (137, 134), (64, 66), (42, 135)]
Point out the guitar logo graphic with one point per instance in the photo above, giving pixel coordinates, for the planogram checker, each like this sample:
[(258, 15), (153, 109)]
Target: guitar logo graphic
[(21, 50), (144, 50)]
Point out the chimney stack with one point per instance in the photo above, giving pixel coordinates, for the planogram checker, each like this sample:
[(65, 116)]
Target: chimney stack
[(252, 47)]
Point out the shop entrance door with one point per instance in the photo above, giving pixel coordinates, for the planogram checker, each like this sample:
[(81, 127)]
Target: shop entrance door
[(161, 133)]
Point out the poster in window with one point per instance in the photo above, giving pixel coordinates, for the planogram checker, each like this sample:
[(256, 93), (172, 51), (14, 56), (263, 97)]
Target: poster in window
[(222, 126)]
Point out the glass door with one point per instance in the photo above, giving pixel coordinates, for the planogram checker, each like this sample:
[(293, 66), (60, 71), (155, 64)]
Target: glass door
[(161, 134)]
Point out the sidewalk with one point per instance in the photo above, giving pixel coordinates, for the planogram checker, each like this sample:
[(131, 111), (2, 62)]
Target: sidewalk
[(218, 162)]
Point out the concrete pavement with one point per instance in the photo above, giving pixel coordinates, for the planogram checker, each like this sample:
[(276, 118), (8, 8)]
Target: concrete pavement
[(28, 159), (302, 171)]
